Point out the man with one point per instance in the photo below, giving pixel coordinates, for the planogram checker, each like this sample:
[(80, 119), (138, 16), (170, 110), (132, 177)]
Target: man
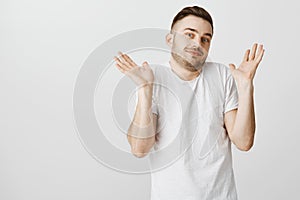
[(224, 114)]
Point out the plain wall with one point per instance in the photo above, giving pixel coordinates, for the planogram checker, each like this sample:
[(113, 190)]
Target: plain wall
[(42, 47)]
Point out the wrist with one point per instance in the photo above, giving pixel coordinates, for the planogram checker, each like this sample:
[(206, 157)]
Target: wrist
[(146, 88), (145, 95), (245, 87)]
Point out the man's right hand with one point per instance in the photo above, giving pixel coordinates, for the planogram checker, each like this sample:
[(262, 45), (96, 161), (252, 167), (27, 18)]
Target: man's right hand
[(141, 76), (142, 130)]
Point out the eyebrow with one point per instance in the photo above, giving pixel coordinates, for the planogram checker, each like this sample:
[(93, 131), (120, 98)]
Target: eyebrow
[(194, 30)]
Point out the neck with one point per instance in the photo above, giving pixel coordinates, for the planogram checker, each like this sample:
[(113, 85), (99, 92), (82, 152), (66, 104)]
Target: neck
[(182, 72)]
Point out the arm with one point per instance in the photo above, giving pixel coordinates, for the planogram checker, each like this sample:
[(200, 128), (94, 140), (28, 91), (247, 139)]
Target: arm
[(142, 130), (240, 123)]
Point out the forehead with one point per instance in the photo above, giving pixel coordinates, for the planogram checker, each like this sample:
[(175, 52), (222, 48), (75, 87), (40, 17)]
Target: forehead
[(191, 21)]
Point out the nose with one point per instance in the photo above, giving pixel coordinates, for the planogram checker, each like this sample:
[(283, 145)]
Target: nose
[(197, 41)]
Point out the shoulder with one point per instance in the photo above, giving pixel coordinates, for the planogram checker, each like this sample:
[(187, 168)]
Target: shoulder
[(161, 72), (216, 69), (159, 68)]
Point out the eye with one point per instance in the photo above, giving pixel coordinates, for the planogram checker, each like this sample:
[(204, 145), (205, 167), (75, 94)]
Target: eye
[(190, 35), (205, 40)]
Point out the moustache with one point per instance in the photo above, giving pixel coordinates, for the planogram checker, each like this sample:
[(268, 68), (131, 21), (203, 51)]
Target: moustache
[(195, 49)]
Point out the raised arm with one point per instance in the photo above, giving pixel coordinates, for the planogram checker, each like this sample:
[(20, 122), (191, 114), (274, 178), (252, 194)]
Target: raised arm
[(142, 130), (240, 123)]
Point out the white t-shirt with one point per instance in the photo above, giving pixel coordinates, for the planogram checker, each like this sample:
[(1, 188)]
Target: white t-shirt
[(192, 158)]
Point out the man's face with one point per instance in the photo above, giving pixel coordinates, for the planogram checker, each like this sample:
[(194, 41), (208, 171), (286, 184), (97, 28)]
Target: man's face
[(190, 43)]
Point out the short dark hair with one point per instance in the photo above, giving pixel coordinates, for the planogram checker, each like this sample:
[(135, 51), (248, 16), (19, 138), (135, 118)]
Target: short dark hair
[(193, 10)]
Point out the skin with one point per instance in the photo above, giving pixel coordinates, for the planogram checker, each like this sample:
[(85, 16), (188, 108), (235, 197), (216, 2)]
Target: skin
[(141, 133), (190, 41), (240, 123)]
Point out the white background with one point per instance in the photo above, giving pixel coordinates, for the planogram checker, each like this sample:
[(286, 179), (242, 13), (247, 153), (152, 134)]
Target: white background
[(42, 47)]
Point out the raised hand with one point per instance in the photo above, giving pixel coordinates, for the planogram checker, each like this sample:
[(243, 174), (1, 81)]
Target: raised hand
[(246, 71), (140, 75)]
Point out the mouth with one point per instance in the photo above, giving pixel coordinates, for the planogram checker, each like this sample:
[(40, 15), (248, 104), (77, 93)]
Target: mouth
[(194, 53)]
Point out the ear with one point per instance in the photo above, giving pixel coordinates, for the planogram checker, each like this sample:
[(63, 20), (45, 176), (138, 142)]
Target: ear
[(169, 39)]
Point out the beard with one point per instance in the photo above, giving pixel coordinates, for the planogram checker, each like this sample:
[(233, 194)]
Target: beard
[(188, 54), (189, 65)]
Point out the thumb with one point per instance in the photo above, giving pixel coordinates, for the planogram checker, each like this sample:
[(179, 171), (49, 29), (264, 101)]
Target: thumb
[(146, 65), (232, 67)]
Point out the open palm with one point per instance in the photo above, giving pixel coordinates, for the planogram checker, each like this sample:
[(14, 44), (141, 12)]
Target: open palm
[(139, 75), (247, 69)]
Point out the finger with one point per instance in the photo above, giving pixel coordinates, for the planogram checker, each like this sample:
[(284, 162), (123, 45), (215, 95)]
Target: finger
[(246, 55), (126, 60), (123, 60), (129, 60), (253, 52), (121, 63), (232, 67), (120, 68), (145, 65), (260, 54)]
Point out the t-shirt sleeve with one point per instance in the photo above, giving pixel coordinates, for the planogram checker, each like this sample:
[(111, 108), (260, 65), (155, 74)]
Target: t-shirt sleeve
[(231, 94), (156, 86), (154, 107)]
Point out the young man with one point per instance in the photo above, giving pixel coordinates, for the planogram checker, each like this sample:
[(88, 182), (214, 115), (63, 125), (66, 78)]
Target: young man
[(225, 112)]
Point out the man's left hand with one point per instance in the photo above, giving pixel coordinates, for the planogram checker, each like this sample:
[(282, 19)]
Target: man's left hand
[(244, 74)]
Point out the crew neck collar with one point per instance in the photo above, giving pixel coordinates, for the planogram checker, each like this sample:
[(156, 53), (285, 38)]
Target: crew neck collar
[(180, 79)]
